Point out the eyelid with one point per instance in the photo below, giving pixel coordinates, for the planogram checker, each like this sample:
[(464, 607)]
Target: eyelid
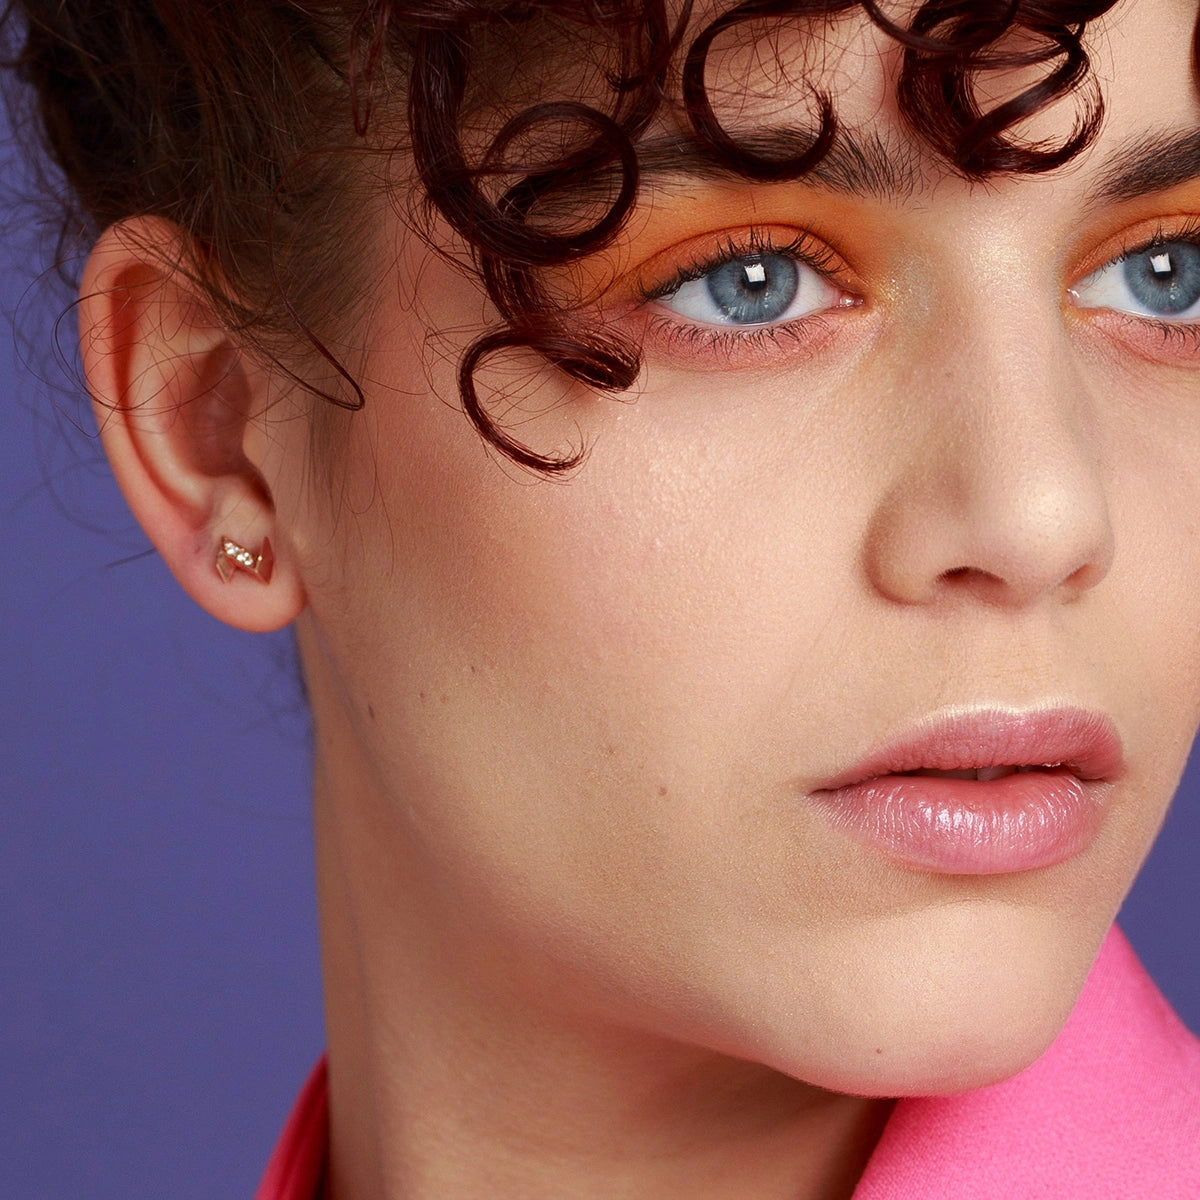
[(668, 269), (1132, 239)]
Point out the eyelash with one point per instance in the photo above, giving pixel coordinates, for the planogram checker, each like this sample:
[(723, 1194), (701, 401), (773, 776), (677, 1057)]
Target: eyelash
[(1189, 232), (803, 248), (675, 333), (1187, 335)]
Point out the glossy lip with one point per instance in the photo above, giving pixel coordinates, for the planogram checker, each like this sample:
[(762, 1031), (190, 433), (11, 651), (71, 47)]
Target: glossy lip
[(982, 827)]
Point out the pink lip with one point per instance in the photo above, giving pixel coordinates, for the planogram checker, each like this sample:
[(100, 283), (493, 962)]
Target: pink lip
[(1021, 821)]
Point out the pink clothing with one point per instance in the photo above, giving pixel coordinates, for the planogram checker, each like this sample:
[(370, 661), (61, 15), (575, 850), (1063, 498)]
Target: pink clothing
[(297, 1168), (1110, 1112)]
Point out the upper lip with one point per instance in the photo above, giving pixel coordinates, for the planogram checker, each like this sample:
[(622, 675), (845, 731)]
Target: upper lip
[(1078, 740)]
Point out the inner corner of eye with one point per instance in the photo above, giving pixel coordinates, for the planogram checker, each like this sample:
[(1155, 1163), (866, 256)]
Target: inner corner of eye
[(1080, 292)]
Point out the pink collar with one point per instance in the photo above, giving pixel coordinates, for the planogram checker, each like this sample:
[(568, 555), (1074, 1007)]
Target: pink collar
[(296, 1170), (1110, 1112)]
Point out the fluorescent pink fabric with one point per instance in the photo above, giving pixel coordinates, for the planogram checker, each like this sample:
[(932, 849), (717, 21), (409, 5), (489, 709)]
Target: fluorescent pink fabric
[(297, 1167), (1110, 1112)]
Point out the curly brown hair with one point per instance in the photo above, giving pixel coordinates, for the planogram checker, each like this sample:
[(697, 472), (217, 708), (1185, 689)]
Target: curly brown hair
[(240, 120)]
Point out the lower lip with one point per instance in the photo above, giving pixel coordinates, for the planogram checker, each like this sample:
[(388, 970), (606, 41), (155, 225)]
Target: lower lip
[(971, 827)]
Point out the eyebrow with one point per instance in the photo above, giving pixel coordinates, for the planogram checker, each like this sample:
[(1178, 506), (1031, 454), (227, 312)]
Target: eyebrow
[(860, 166), (890, 168), (896, 169), (1150, 163)]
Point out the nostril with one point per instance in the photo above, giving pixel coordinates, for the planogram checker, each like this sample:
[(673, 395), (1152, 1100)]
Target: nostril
[(984, 584), (968, 574)]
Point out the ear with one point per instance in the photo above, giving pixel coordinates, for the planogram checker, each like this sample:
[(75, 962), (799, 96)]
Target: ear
[(175, 397)]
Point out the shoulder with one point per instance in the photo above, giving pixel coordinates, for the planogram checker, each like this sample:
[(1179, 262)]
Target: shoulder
[(1110, 1111)]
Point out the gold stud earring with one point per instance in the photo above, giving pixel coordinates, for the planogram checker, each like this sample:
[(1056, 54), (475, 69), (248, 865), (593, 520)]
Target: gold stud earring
[(232, 558)]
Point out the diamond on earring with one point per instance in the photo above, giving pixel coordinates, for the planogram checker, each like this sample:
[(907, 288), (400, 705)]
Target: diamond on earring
[(232, 558)]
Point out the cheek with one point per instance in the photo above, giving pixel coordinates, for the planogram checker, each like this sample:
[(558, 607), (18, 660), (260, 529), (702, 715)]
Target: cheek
[(578, 688), (1148, 625), (671, 579)]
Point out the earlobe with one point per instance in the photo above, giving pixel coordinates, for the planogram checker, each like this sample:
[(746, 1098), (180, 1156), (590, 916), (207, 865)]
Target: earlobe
[(174, 395)]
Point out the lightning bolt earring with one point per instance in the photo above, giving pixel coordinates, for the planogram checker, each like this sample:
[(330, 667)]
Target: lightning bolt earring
[(232, 558)]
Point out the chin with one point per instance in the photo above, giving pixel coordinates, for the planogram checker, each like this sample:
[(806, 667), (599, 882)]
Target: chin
[(976, 998)]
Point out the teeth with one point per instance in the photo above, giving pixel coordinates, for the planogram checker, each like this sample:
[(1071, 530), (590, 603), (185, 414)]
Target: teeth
[(986, 773), (979, 774)]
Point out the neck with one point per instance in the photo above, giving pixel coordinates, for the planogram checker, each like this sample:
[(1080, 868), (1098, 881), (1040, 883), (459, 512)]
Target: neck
[(451, 1078)]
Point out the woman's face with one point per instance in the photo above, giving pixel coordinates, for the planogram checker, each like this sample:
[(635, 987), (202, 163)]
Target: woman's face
[(905, 450)]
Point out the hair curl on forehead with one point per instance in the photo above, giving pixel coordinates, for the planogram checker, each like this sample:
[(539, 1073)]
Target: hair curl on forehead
[(211, 113)]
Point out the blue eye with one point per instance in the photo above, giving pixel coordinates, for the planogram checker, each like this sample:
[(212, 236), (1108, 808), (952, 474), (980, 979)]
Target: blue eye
[(753, 289), (1160, 280)]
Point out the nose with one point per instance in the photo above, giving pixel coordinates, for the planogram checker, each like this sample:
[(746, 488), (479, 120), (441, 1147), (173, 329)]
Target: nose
[(999, 495)]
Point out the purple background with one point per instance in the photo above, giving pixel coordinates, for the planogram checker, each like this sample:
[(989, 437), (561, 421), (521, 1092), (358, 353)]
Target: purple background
[(159, 974)]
